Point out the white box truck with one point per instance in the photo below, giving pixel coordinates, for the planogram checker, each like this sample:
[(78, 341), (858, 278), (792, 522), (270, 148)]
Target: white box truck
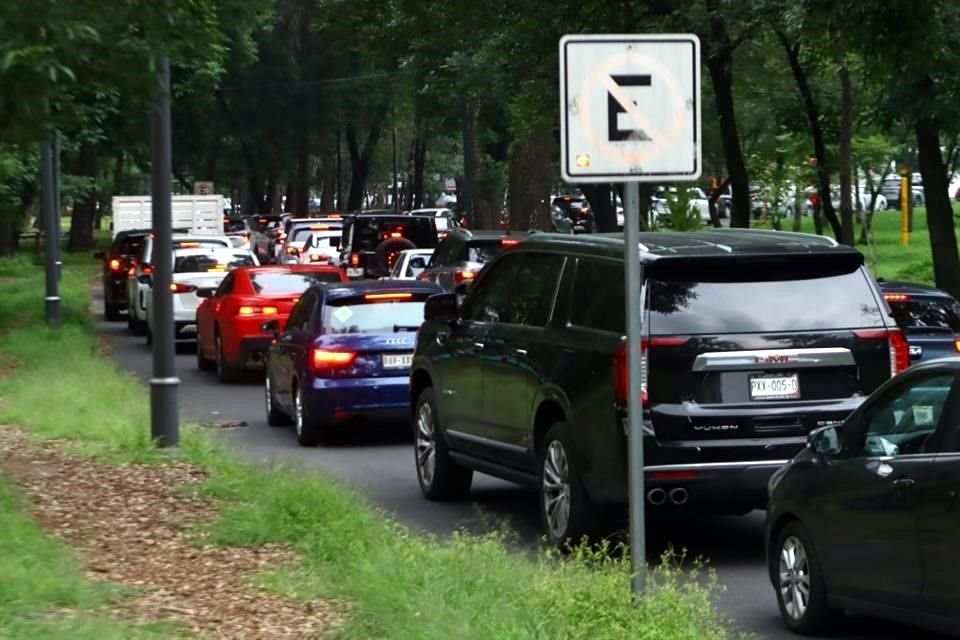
[(196, 214)]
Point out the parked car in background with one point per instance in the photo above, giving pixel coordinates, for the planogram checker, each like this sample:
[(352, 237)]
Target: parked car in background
[(140, 276), (195, 269), (577, 209), (344, 355), (526, 379), (891, 191), (117, 262), (463, 253), (929, 317), (228, 319), (865, 518), (371, 242), (410, 264)]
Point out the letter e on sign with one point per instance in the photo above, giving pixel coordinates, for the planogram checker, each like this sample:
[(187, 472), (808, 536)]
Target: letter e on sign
[(630, 108)]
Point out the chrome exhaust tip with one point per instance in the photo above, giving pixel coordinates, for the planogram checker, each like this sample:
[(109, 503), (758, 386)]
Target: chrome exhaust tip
[(656, 496), (679, 496)]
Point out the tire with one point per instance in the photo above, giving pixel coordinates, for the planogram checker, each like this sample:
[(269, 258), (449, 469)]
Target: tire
[(203, 362), (794, 566), (440, 477), (275, 417), (387, 251), (309, 433), (111, 312), (227, 373), (566, 511)]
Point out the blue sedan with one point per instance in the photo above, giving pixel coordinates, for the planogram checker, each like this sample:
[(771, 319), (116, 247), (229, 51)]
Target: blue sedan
[(344, 354)]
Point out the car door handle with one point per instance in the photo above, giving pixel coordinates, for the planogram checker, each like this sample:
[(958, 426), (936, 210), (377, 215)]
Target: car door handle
[(904, 483), (520, 353), (478, 346)]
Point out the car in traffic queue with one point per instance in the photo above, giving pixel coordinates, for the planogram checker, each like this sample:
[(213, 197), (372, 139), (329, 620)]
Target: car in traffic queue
[(300, 230), (864, 519), (446, 219), (195, 270), (344, 355), (578, 211), (526, 378), (117, 262), (228, 319), (265, 231), (462, 254), (140, 275), (409, 264), (929, 317), (371, 241)]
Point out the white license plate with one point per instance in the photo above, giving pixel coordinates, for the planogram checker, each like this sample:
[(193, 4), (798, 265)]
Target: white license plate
[(354, 272), (775, 387), (401, 361)]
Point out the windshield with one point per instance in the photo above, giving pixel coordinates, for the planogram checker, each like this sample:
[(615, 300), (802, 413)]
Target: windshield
[(213, 261), (940, 315), (289, 282), (362, 316), (368, 233)]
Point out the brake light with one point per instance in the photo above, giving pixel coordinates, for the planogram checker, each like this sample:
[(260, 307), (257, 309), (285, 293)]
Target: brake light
[(896, 297), (620, 374), (179, 287), (388, 296), (317, 258), (147, 269), (115, 265), (132, 271), (509, 242), (354, 259), (188, 245), (319, 227), (323, 359), (956, 345), (460, 276), (899, 349), (396, 234), (292, 251), (248, 310)]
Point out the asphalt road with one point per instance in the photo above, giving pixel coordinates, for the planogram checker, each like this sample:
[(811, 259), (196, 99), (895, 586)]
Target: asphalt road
[(379, 463)]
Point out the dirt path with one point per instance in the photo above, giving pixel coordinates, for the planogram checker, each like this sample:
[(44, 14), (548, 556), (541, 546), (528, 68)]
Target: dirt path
[(130, 526)]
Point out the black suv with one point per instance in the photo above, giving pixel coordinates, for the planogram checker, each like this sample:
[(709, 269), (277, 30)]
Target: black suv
[(462, 254), (752, 339), (117, 261), (372, 241)]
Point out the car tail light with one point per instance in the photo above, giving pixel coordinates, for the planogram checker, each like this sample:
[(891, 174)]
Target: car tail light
[(354, 259), (323, 359), (896, 297), (179, 287), (115, 265), (132, 271), (509, 242), (396, 234), (463, 276), (388, 296), (899, 349), (956, 345), (292, 251), (673, 475), (620, 373), (250, 310), (147, 269)]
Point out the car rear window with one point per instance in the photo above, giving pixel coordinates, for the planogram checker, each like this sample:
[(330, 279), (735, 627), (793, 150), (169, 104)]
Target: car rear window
[(369, 233), (320, 238), (215, 261), (290, 282), (927, 314), (364, 315), (482, 250), (687, 307), (130, 245), (200, 244)]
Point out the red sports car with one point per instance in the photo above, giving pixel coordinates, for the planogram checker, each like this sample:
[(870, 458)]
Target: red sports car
[(229, 318)]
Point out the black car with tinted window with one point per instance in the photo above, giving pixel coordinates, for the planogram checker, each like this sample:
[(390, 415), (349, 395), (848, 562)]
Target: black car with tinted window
[(373, 240), (462, 254), (929, 317), (752, 339), (117, 262)]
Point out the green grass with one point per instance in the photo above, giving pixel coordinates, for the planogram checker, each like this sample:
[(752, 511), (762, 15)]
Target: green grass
[(394, 584)]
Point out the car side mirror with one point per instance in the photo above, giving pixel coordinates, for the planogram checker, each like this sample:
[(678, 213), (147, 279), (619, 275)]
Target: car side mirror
[(442, 307), (99, 255), (270, 326), (205, 293), (825, 441)]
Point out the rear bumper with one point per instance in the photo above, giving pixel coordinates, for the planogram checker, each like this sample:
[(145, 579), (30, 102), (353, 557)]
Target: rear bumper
[(332, 400), (115, 290), (252, 351)]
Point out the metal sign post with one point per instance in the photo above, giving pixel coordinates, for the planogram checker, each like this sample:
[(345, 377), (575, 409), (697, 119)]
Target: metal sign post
[(164, 412), (51, 248), (630, 112)]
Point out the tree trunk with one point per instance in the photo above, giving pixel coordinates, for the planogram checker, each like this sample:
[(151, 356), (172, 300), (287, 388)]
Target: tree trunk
[(816, 132), (719, 59), (301, 190), (9, 237), (599, 195), (360, 157), (328, 187), (846, 138), (530, 178), (472, 161), (419, 165), (943, 237), (85, 206)]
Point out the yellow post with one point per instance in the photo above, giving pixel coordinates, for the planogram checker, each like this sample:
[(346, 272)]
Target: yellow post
[(904, 209)]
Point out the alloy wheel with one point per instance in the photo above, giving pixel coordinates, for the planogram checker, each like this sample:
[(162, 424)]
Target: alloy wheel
[(298, 412), (268, 398), (794, 573), (556, 489), (426, 444)]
